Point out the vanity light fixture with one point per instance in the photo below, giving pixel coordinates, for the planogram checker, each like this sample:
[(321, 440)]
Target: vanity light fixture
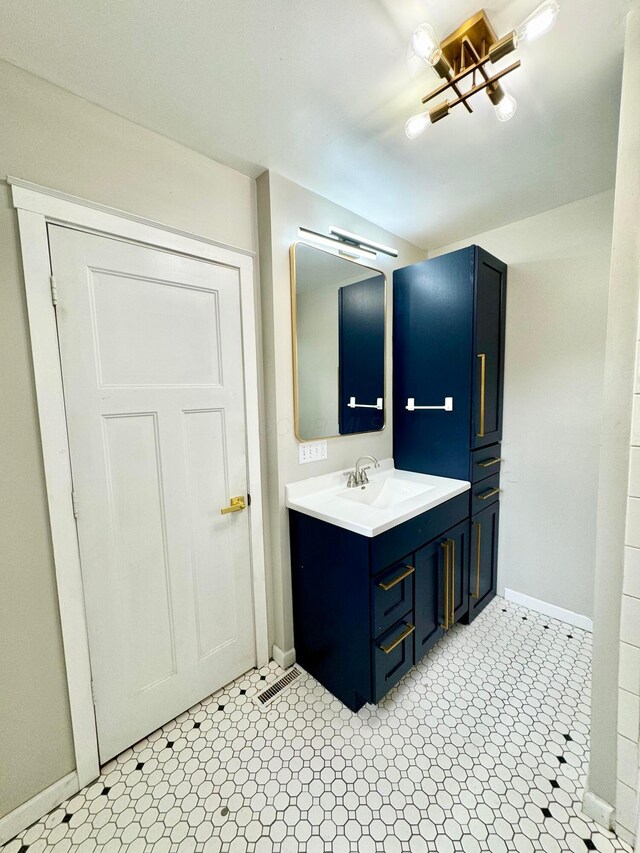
[(347, 243), (356, 240), (465, 54)]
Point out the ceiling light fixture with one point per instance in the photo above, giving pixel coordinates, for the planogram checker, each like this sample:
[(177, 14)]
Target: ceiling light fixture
[(465, 54)]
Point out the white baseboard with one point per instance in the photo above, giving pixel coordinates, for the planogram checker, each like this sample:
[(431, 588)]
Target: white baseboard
[(35, 808), (599, 810), (551, 610), (283, 659)]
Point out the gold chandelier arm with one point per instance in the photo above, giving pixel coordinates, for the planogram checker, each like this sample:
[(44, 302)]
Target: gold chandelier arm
[(461, 75), (485, 84)]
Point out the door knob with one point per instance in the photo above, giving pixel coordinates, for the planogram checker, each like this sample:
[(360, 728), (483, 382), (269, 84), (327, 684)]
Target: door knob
[(236, 505)]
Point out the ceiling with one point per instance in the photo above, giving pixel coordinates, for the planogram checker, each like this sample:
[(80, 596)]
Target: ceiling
[(319, 92)]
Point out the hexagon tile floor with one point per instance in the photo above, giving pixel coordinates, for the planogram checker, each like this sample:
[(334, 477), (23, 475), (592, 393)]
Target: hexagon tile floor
[(482, 747)]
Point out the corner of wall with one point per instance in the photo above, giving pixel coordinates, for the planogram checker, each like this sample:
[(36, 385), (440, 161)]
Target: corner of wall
[(604, 771)]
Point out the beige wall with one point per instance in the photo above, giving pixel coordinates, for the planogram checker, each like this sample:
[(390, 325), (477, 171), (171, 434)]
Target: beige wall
[(616, 432), (282, 208), (56, 139), (555, 342)]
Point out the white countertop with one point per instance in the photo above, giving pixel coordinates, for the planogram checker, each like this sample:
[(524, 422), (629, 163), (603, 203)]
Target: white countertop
[(391, 497)]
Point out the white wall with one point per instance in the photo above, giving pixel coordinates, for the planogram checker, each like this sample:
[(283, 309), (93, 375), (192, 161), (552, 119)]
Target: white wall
[(282, 208), (555, 342), (616, 438), (56, 139), (628, 728)]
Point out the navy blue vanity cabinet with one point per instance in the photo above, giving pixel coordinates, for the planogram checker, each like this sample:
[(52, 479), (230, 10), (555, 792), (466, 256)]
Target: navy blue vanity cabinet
[(448, 377), (362, 607), (448, 361)]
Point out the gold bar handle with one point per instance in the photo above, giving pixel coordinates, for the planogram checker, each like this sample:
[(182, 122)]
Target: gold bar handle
[(387, 586), (452, 601), (483, 387), (445, 624), (488, 494), (489, 462), (406, 633), (478, 528), (236, 505)]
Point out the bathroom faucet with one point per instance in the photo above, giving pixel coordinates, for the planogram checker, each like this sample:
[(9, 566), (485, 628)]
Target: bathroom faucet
[(358, 477)]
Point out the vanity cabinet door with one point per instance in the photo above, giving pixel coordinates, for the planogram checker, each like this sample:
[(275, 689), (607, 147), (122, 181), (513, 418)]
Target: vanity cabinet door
[(458, 543), (441, 586), (483, 568), (429, 580), (488, 370)]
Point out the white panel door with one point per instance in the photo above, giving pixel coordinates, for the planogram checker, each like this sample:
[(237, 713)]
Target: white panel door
[(151, 350)]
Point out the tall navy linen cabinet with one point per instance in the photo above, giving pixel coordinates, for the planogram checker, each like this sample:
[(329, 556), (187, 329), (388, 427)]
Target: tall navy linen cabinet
[(448, 380)]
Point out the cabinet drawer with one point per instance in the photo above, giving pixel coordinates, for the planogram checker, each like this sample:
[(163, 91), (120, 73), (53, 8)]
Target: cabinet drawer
[(392, 594), (485, 462), (393, 656), (484, 493)]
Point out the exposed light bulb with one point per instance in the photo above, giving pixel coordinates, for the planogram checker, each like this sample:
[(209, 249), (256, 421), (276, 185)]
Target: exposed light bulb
[(539, 22), (416, 125), (424, 44), (506, 107)]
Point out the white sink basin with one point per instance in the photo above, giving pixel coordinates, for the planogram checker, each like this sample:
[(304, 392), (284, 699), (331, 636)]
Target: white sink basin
[(390, 497), (386, 491)]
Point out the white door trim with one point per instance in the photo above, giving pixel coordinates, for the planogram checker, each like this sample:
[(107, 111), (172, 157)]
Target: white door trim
[(38, 206)]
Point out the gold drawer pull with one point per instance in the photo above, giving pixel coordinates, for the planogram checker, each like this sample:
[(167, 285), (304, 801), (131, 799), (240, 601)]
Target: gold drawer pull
[(483, 388), (236, 505), (406, 633), (478, 527), (387, 586), (488, 494), (489, 462)]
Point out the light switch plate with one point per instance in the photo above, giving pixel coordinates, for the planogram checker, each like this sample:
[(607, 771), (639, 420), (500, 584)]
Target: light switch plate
[(312, 451)]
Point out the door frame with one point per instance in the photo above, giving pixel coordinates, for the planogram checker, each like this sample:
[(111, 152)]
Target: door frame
[(37, 207)]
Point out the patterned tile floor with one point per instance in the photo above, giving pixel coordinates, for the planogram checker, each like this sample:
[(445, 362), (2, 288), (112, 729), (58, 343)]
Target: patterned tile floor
[(482, 747)]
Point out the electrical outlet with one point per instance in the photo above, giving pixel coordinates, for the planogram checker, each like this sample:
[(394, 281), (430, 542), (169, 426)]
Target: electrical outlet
[(312, 451)]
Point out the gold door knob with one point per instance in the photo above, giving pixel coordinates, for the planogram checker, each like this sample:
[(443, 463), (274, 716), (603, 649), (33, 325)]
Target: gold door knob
[(236, 505)]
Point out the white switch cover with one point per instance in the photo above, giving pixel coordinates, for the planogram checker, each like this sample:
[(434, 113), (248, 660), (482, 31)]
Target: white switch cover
[(312, 451)]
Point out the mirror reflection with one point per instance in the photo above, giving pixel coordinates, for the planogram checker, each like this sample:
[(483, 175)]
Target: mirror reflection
[(338, 330)]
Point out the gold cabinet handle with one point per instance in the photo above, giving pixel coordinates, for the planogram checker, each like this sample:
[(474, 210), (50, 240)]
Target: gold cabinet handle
[(452, 600), (387, 586), (236, 505), (489, 462), (483, 387), (488, 494), (478, 528), (406, 633), (445, 624)]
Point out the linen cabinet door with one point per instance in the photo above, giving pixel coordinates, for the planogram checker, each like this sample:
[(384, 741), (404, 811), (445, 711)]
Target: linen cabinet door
[(483, 570), (488, 370), (432, 353), (429, 584)]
